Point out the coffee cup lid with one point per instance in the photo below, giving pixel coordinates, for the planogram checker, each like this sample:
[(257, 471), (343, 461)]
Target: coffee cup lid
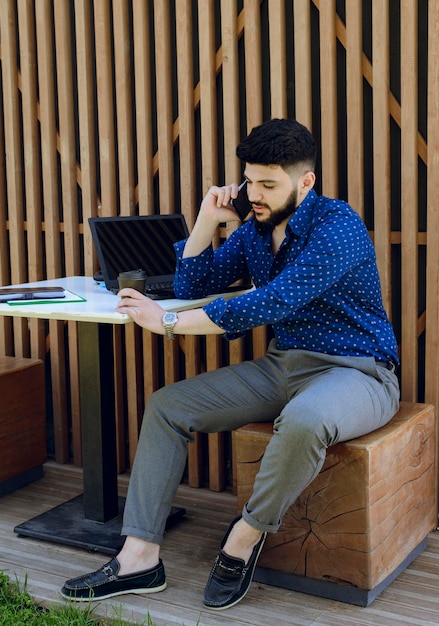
[(133, 274)]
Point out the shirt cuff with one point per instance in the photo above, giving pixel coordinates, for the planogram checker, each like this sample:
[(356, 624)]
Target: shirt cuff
[(219, 312), (192, 262)]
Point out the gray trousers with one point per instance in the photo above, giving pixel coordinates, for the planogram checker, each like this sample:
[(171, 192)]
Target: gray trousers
[(314, 399)]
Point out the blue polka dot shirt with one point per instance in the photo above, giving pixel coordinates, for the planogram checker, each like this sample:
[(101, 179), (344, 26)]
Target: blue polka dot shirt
[(320, 292)]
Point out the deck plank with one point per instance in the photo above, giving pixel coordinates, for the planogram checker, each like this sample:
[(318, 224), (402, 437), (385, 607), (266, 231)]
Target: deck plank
[(188, 551)]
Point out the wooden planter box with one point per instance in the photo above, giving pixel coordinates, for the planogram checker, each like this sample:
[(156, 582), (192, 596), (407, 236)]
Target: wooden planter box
[(362, 520), (23, 448)]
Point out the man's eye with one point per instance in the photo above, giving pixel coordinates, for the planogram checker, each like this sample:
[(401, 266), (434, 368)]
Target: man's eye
[(268, 187)]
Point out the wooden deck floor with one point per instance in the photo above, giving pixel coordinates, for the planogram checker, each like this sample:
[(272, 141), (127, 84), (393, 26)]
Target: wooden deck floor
[(188, 551)]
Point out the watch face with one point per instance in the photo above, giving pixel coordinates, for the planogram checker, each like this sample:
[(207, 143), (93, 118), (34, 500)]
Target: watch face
[(169, 318)]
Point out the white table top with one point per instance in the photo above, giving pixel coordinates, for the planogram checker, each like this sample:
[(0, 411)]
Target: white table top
[(99, 303)]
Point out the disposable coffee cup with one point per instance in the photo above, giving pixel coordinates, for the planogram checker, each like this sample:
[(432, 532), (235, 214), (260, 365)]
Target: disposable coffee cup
[(136, 279)]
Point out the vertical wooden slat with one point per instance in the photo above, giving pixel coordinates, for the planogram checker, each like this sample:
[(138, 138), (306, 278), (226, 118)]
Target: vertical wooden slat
[(150, 381), (209, 172), (208, 108), (150, 369), (259, 341), (46, 86), (44, 29), (14, 167), (253, 76), (6, 347), (5, 322), (302, 62), (409, 200), (134, 383), (67, 143), (12, 133), (75, 407), (164, 106), (119, 398), (354, 104), (5, 337), (86, 122), (432, 309), (215, 440), (230, 78), (229, 53), (32, 162), (170, 356), (208, 104), (381, 145), (328, 98), (278, 61), (253, 73), (59, 395), (253, 63), (105, 93), (253, 69), (186, 122), (124, 108), (195, 448), (186, 125), (67, 152), (150, 377), (88, 185), (125, 173), (4, 248), (142, 73)]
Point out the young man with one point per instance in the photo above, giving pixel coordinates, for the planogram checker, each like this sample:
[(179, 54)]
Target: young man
[(328, 374)]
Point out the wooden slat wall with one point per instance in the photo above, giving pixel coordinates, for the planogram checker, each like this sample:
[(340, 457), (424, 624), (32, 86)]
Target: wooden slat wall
[(109, 107)]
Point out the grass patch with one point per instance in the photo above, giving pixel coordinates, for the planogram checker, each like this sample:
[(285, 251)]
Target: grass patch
[(17, 608)]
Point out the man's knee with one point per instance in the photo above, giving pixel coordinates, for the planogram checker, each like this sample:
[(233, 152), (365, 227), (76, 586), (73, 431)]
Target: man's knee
[(165, 410), (159, 407), (306, 424)]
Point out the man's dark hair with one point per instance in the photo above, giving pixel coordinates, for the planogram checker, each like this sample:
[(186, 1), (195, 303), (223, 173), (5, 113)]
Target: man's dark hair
[(279, 142)]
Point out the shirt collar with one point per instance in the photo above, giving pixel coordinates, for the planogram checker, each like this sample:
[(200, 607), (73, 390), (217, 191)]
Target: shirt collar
[(299, 221)]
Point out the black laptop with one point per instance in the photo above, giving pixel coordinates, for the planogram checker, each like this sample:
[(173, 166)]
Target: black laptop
[(146, 242)]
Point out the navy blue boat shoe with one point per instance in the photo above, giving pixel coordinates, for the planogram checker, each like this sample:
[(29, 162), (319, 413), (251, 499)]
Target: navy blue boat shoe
[(230, 577), (105, 583)]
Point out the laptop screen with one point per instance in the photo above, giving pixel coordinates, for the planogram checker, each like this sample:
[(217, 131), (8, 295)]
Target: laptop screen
[(146, 242)]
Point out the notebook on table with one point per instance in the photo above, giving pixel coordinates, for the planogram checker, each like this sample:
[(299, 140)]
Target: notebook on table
[(146, 242)]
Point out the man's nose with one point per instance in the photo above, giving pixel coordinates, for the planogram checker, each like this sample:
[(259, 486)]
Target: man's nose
[(254, 195)]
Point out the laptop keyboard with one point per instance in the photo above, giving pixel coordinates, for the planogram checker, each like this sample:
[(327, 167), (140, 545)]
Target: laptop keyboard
[(158, 287), (160, 291)]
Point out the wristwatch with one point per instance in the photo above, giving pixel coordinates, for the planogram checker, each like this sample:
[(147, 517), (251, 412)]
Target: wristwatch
[(169, 320)]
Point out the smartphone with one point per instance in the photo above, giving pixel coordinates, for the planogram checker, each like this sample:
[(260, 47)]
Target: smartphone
[(31, 293), (241, 203)]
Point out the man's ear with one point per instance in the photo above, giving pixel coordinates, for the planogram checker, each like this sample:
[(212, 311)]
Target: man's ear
[(308, 181)]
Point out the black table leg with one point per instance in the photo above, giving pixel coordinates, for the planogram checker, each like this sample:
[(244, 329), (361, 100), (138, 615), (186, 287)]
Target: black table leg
[(93, 520), (98, 424)]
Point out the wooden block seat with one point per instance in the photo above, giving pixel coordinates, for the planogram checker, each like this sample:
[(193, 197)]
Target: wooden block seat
[(363, 519), (23, 448)]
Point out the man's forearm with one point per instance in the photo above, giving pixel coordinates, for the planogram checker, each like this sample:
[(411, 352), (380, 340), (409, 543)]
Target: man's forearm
[(200, 239), (148, 314), (196, 322), (214, 209)]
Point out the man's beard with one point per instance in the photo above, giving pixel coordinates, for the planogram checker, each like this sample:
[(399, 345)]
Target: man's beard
[(276, 217)]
